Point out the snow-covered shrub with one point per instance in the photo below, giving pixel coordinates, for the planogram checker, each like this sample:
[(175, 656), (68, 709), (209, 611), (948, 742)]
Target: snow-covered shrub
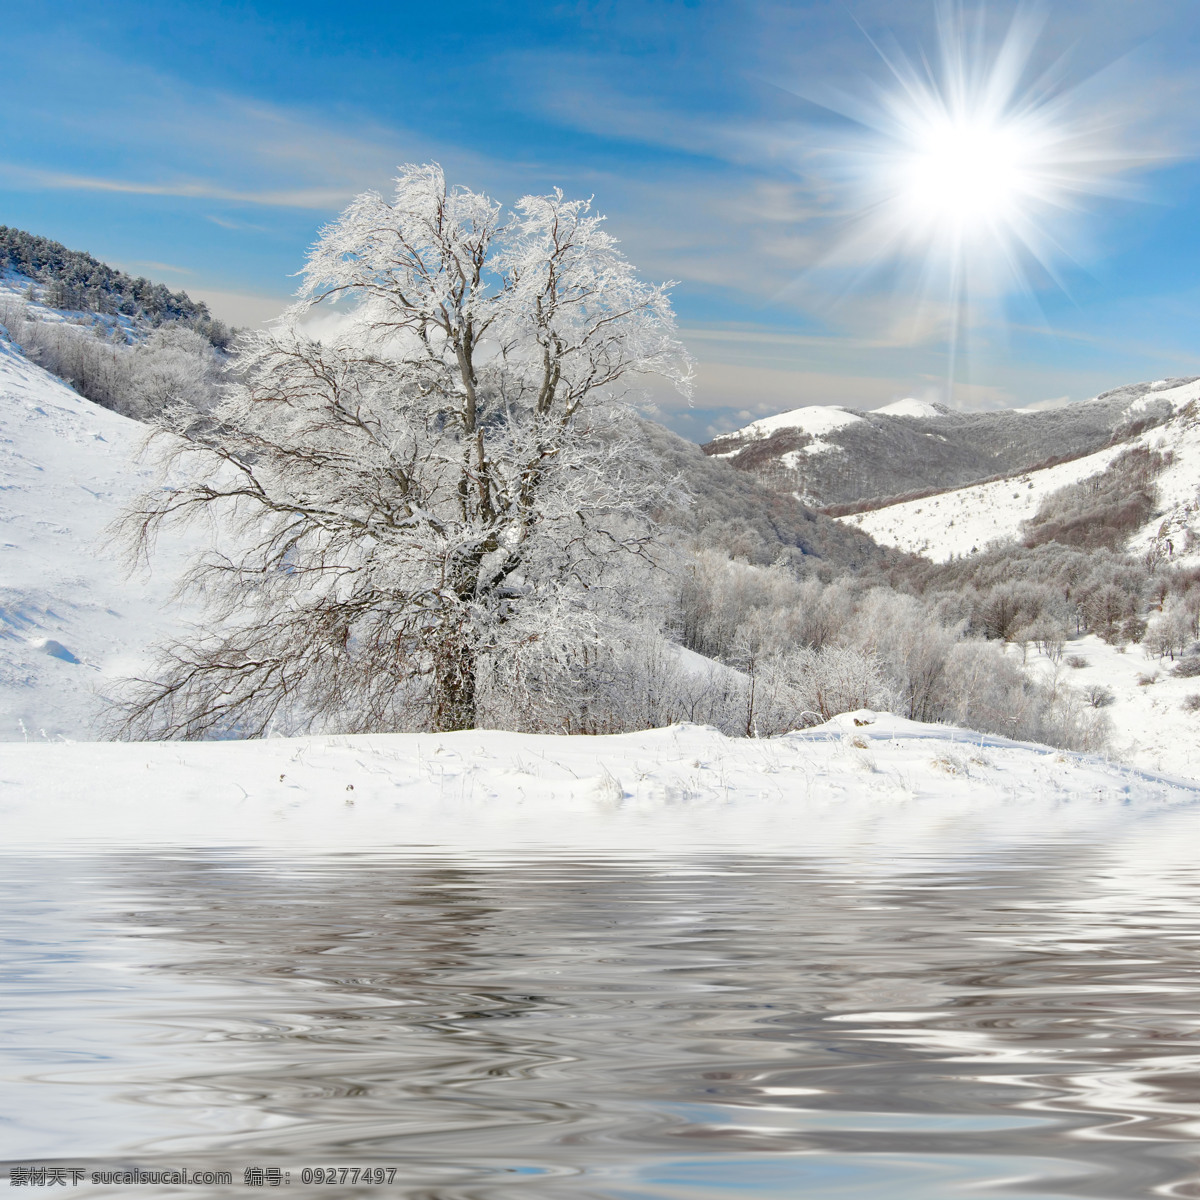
[(1168, 634), (909, 655), (627, 679), (912, 647), (717, 595), (1012, 607), (838, 679), (989, 691), (174, 364)]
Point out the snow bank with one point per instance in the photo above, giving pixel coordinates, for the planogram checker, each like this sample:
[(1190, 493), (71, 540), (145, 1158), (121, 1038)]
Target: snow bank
[(862, 777)]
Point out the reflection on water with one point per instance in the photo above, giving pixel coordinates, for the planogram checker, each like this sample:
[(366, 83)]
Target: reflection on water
[(738, 1026)]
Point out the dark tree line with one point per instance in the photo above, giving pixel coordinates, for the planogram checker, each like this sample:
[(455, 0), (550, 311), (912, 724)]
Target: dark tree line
[(75, 281)]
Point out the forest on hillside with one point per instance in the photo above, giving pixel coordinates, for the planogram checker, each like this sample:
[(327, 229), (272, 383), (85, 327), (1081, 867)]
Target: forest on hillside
[(73, 280)]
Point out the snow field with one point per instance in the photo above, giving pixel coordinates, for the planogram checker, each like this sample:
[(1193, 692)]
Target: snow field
[(862, 778), (1151, 727)]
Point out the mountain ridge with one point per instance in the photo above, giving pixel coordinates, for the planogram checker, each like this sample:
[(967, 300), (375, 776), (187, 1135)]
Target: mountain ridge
[(830, 456)]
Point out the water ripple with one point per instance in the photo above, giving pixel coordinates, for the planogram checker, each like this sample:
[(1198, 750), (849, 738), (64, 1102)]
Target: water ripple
[(740, 1026)]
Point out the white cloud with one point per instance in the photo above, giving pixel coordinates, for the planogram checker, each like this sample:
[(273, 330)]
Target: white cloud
[(243, 309)]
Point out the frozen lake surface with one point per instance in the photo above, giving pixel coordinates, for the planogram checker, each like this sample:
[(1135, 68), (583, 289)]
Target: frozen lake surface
[(1016, 1022)]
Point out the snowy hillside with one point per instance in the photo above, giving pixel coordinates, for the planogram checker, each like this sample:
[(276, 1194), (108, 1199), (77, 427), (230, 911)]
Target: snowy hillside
[(863, 777), (920, 409), (830, 456), (1176, 528), (968, 519), (71, 620)]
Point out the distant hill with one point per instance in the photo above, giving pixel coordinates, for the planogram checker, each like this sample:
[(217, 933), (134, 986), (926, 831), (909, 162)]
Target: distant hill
[(75, 281), (741, 515), (835, 456), (1151, 512)]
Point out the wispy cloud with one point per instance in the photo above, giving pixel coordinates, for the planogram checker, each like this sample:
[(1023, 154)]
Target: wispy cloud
[(311, 198), (239, 226), (205, 144), (170, 268)]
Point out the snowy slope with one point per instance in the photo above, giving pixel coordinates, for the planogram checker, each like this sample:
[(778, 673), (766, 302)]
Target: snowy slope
[(14, 291), (861, 778), (1151, 726), (1178, 492), (71, 621), (966, 520)]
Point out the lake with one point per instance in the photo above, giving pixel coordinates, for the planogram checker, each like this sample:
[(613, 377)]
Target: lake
[(1019, 1021)]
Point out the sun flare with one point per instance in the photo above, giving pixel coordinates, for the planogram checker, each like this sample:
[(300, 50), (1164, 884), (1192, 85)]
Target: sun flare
[(966, 173), (966, 160)]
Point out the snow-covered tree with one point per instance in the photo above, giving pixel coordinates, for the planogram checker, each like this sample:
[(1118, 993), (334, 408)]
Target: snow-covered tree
[(175, 365), (437, 488)]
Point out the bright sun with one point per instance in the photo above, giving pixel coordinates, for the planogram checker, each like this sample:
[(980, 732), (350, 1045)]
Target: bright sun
[(966, 172), (965, 159), (973, 173)]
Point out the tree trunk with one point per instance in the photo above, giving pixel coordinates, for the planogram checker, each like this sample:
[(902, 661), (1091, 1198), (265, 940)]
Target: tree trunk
[(454, 688)]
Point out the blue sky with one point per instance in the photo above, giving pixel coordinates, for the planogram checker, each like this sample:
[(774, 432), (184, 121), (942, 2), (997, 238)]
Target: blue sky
[(204, 144)]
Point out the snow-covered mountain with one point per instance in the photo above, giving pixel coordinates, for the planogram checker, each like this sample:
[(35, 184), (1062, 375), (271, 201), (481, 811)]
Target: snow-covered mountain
[(1152, 709), (966, 520), (832, 456), (72, 618)]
